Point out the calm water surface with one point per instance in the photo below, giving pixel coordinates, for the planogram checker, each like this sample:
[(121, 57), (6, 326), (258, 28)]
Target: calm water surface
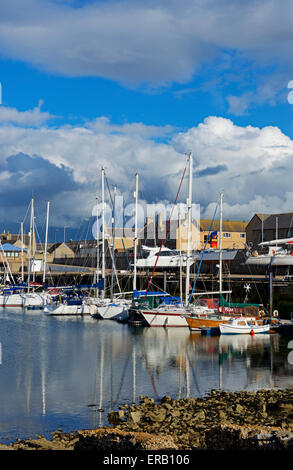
[(67, 373)]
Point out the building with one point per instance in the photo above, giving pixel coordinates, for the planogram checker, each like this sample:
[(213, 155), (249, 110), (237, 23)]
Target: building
[(59, 250), (266, 227), (14, 239), (12, 258), (233, 234)]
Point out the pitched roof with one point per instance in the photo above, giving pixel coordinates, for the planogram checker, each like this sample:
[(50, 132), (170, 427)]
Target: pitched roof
[(10, 247), (283, 220), (228, 225)]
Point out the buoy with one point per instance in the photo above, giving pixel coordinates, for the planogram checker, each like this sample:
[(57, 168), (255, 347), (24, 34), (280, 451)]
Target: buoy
[(252, 333)]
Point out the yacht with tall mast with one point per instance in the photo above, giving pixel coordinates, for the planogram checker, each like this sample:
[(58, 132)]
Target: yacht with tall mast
[(171, 312), (224, 311), (279, 253), (115, 308)]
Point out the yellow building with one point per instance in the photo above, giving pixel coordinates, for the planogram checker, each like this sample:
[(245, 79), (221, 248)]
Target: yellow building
[(233, 234)]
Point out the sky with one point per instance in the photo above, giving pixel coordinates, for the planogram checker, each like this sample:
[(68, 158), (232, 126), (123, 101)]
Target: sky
[(134, 86)]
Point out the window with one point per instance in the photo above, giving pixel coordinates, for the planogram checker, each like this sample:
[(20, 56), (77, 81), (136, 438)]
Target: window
[(242, 235), (227, 235)]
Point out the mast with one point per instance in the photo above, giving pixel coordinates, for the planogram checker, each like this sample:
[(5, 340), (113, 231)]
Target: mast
[(221, 254), (189, 207), (277, 231), (22, 267), (135, 232), (113, 245), (103, 231), (98, 239), (30, 244), (46, 243), (180, 256)]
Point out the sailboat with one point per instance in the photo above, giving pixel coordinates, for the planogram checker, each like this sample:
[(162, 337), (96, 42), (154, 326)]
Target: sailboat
[(20, 295), (170, 312), (277, 254), (225, 311), (113, 308), (72, 301), (33, 299)]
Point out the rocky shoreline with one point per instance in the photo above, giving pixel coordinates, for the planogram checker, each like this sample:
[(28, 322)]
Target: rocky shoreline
[(220, 421)]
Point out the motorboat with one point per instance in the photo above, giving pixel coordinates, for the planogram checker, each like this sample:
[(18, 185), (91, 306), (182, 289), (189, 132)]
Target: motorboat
[(168, 258), (243, 326)]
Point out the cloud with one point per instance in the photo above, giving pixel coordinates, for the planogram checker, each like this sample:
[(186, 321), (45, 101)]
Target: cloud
[(257, 161), (137, 42), (23, 176), (33, 117), (251, 165)]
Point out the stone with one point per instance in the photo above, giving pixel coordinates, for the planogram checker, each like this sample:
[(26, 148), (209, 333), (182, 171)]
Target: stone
[(158, 415)]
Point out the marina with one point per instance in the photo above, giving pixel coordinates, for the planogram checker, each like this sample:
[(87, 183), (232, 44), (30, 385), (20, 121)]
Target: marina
[(68, 372), (146, 239)]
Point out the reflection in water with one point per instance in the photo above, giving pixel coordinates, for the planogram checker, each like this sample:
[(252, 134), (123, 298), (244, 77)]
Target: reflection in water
[(69, 372)]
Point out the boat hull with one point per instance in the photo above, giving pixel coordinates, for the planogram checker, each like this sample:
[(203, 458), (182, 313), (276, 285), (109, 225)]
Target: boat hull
[(13, 300), (263, 260), (226, 329), (113, 312), (156, 318), (198, 323), (34, 300), (64, 309)]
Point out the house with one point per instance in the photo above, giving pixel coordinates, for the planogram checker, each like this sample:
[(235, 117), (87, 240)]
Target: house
[(59, 250), (266, 227), (233, 234), (14, 239), (12, 255)]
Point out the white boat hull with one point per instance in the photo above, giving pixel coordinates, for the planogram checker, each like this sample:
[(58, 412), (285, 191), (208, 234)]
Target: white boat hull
[(34, 300), (64, 309), (263, 260), (227, 329), (167, 318), (13, 300), (113, 312)]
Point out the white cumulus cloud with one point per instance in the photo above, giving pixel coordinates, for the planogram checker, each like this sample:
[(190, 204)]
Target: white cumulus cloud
[(251, 165)]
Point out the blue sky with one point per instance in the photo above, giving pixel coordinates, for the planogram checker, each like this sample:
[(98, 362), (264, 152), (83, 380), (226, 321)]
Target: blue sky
[(134, 86)]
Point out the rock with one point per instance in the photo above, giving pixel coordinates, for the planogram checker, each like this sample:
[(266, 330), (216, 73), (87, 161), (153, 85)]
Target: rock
[(221, 420), (157, 415), (115, 417), (134, 417)]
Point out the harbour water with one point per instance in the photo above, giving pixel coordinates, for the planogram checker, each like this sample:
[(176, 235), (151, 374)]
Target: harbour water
[(68, 373)]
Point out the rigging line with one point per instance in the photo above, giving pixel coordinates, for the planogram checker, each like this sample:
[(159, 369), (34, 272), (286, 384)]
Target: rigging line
[(109, 191), (289, 230), (200, 263), (255, 285), (166, 231)]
